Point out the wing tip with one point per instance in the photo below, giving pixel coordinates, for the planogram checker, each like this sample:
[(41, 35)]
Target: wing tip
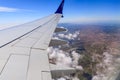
[(60, 8)]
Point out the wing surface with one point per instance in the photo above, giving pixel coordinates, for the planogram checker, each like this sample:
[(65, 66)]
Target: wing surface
[(23, 53)]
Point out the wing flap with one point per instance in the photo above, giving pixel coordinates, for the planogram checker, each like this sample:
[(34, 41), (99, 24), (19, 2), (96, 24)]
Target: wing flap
[(57, 42), (60, 30), (46, 75), (57, 70), (38, 63)]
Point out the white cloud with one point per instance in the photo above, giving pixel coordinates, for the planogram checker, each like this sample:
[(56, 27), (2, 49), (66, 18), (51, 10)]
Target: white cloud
[(110, 67), (8, 9), (63, 58), (70, 36), (75, 57), (61, 78), (60, 56)]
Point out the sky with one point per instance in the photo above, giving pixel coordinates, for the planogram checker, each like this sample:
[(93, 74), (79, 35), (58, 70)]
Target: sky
[(13, 12)]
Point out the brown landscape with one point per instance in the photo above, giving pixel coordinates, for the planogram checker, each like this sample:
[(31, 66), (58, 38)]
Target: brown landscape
[(97, 41)]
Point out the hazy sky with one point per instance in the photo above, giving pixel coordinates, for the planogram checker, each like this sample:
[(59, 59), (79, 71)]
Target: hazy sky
[(19, 11)]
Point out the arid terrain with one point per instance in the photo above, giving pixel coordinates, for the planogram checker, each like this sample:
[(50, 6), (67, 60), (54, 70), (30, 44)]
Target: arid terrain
[(94, 49)]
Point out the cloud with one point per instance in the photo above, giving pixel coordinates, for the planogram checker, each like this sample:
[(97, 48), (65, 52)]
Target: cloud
[(8, 9), (61, 78), (109, 65), (61, 57), (69, 36), (75, 57)]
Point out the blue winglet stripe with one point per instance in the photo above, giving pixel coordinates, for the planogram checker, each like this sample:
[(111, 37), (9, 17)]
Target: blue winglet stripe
[(60, 8)]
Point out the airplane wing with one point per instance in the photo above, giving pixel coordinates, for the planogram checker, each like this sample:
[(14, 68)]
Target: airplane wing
[(23, 53)]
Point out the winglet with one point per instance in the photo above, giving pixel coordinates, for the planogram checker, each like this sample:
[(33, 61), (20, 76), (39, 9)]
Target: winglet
[(60, 8)]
